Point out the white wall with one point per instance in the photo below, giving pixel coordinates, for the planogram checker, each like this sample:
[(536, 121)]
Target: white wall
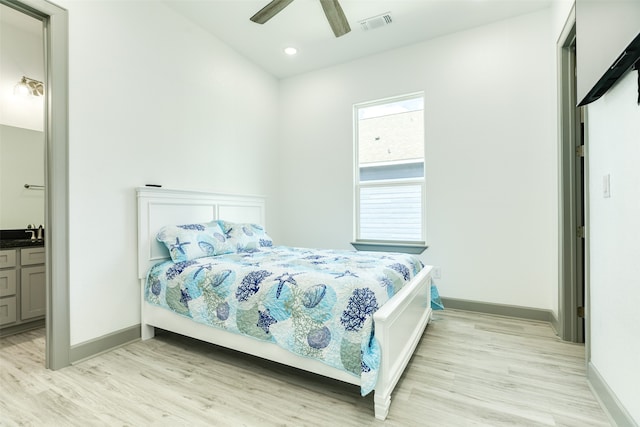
[(152, 99), (613, 140), (605, 28), (21, 121), (613, 148), (21, 54), (560, 10), (490, 156), (21, 162)]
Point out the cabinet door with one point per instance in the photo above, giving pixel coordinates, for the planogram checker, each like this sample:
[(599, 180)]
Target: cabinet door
[(8, 258), (7, 310), (7, 282), (32, 292)]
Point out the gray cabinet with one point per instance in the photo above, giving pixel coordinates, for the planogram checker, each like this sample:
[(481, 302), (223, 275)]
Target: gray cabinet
[(7, 296), (8, 287), (22, 288), (32, 292)]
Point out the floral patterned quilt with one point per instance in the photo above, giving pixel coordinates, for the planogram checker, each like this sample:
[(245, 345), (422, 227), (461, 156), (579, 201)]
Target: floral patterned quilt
[(315, 303)]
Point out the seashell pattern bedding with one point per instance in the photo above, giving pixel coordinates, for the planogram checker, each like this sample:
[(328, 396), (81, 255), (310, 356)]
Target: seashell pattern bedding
[(315, 303)]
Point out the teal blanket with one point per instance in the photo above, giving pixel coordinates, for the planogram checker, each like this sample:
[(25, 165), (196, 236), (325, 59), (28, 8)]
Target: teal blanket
[(315, 303)]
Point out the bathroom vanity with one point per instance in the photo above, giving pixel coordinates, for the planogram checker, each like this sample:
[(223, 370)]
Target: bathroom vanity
[(22, 285)]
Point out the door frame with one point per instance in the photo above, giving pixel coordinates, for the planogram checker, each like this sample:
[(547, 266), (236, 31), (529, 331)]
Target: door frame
[(570, 328), (56, 47)]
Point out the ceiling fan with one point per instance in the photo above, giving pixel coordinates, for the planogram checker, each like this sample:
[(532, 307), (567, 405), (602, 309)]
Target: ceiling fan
[(332, 10)]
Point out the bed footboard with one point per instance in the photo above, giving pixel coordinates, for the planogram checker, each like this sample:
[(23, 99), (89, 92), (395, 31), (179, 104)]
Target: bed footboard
[(399, 325)]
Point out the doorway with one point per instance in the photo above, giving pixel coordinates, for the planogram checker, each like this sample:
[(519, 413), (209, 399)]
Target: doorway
[(55, 36), (22, 170), (573, 178)]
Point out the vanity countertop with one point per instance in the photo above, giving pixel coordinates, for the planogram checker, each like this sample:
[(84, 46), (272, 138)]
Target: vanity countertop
[(20, 243), (10, 239)]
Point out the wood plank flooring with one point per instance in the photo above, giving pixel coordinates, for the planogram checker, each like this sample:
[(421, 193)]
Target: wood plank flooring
[(470, 369)]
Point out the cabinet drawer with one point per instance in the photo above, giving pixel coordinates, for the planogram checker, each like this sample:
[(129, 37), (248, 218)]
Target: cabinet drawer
[(31, 256), (7, 310), (7, 283), (8, 258)]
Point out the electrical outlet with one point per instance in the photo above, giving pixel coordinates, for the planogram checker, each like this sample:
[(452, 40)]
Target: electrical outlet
[(437, 273)]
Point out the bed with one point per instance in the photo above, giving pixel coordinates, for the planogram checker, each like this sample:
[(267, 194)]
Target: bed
[(398, 323)]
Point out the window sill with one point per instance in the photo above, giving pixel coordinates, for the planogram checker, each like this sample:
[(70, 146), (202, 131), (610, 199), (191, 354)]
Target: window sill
[(407, 248)]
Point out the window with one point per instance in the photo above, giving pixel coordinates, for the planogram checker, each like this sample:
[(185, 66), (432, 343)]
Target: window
[(389, 171)]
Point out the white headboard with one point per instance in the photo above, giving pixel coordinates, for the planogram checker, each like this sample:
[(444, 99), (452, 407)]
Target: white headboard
[(158, 207)]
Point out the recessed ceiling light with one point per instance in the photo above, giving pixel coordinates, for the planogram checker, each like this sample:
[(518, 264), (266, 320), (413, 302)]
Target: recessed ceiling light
[(290, 50)]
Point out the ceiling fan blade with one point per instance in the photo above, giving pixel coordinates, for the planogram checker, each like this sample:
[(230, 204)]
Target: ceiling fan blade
[(269, 11), (335, 16)]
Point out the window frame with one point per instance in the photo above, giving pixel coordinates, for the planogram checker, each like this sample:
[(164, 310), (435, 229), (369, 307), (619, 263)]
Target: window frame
[(410, 246)]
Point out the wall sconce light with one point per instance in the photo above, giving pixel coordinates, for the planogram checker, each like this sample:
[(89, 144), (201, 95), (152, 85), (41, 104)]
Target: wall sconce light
[(28, 86)]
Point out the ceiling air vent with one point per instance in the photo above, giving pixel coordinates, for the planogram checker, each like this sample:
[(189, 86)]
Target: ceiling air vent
[(376, 21)]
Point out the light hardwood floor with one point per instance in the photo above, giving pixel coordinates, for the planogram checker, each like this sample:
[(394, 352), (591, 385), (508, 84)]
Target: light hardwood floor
[(469, 369)]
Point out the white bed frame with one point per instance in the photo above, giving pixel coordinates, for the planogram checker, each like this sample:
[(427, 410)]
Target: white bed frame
[(399, 323)]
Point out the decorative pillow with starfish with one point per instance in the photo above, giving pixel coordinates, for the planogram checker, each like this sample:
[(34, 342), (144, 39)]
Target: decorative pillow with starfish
[(192, 241)]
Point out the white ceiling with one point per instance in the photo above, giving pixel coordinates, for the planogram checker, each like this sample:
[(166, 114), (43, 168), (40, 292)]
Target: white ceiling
[(303, 25)]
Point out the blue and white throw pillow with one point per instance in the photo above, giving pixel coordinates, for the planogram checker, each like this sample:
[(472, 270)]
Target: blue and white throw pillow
[(245, 237), (191, 241)]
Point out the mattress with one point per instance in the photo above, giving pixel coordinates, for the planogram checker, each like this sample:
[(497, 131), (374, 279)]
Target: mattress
[(314, 303)]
